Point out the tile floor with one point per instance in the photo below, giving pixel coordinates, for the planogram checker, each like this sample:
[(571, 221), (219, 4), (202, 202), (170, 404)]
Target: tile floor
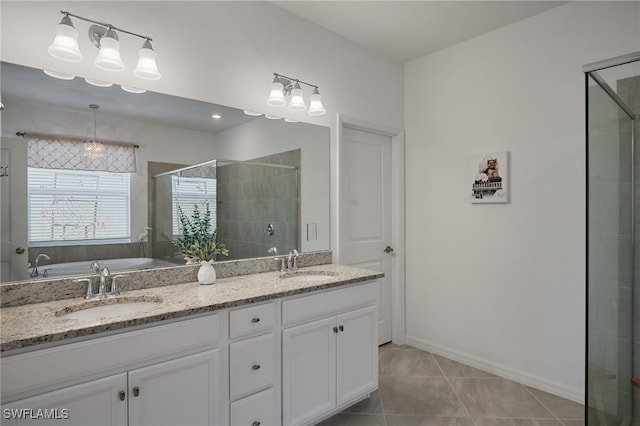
[(418, 388)]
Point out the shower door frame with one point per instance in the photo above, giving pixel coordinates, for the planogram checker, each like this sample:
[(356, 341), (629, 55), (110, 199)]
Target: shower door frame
[(590, 71)]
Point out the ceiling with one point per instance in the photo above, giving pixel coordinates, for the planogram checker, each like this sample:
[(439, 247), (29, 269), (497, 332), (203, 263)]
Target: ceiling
[(407, 30)]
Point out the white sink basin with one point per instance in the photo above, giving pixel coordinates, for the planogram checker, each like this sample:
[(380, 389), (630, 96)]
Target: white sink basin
[(108, 310)]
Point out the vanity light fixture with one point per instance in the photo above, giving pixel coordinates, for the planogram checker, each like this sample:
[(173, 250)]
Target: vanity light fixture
[(105, 38), (133, 89), (98, 83), (252, 113), (93, 148), (283, 87)]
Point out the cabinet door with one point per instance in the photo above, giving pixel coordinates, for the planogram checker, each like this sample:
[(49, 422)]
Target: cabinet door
[(308, 371), (98, 402), (357, 354), (185, 391)]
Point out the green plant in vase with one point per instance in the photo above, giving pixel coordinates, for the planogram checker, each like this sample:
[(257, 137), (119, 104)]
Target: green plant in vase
[(198, 241)]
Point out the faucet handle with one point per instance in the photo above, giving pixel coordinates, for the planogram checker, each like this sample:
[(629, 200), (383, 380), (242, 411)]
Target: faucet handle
[(115, 291), (90, 293)]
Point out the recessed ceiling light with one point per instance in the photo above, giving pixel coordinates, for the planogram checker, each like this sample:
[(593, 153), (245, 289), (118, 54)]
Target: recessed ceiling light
[(133, 89), (98, 83), (216, 116), (272, 117), (60, 75), (252, 113)]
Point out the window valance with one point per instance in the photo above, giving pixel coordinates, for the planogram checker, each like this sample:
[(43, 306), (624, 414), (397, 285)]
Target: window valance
[(59, 152)]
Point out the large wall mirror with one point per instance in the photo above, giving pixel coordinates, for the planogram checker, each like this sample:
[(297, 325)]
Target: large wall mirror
[(266, 181)]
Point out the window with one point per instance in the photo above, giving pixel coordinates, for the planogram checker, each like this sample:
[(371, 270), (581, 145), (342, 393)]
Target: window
[(80, 206), (189, 192)]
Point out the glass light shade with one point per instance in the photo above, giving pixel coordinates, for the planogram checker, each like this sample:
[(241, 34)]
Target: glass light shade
[(109, 55), (296, 103), (276, 96), (147, 68), (98, 83), (133, 89), (65, 45), (315, 105), (59, 75)]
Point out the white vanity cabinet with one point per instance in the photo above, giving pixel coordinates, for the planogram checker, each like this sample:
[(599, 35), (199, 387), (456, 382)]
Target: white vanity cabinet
[(330, 359), (254, 366), (180, 379)]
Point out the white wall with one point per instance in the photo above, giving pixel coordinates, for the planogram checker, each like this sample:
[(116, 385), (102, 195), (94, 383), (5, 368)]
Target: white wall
[(220, 51), (502, 286)]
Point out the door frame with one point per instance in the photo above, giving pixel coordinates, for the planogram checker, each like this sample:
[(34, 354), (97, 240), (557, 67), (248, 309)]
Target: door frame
[(398, 317)]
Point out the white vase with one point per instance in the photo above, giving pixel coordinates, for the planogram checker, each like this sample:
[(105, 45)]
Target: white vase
[(206, 273)]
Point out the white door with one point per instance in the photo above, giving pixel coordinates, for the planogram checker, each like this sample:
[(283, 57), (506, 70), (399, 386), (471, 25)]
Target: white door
[(185, 391), (357, 353), (308, 371), (100, 402), (14, 253), (365, 223)]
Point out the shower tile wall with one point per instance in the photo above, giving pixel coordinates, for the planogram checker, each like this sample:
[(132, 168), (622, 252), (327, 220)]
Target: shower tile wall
[(250, 198)]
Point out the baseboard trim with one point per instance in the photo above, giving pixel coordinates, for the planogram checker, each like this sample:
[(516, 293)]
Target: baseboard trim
[(550, 386)]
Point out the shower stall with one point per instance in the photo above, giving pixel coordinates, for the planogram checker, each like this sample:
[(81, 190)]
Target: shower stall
[(252, 207), (613, 294)]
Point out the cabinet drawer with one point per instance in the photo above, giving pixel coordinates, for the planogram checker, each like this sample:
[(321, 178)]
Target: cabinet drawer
[(260, 409), (328, 303), (252, 321), (253, 365)]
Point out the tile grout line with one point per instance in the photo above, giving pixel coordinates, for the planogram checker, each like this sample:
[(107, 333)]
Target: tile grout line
[(543, 404), (454, 391)]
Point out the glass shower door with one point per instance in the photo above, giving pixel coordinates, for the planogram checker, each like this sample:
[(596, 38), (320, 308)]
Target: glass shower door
[(609, 258)]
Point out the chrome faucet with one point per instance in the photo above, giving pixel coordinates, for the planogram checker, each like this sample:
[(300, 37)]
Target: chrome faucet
[(104, 273), (293, 266), (95, 266), (34, 271)]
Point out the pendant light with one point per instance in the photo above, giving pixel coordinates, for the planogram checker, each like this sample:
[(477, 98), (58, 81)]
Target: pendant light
[(93, 148), (65, 45)]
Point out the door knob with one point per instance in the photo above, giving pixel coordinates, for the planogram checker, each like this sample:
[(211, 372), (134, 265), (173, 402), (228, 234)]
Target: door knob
[(20, 250), (388, 249)]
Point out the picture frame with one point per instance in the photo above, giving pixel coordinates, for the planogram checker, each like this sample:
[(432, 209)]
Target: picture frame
[(488, 178)]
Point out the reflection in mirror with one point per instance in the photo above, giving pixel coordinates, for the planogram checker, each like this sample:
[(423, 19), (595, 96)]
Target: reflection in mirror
[(172, 133)]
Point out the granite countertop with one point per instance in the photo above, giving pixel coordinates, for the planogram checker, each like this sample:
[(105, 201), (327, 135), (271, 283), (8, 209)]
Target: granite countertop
[(33, 324)]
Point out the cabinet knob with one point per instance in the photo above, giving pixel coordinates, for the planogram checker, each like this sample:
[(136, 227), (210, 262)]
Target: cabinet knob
[(255, 320), (335, 329), (341, 328), (255, 367), (122, 395), (256, 423), (136, 391)]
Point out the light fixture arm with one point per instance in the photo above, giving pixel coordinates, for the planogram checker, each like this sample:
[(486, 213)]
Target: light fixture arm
[(292, 80), (108, 26)]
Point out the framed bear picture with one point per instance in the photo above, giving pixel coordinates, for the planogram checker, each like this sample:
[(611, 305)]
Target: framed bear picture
[(488, 178)]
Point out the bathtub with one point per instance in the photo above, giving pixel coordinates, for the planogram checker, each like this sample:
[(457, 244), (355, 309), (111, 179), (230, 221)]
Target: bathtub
[(56, 270)]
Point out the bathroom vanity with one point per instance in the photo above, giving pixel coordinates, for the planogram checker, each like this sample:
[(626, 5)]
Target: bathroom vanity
[(253, 350)]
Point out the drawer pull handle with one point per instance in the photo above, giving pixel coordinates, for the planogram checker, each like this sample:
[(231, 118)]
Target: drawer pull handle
[(136, 391), (335, 329), (256, 423), (341, 328), (254, 320), (121, 395), (255, 367)]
